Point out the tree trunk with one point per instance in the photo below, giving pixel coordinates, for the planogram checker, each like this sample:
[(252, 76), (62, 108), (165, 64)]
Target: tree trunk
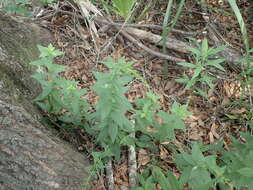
[(31, 156)]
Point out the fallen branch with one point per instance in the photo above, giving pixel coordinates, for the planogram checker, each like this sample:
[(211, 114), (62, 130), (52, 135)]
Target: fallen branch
[(155, 39), (132, 165), (150, 26), (109, 175), (147, 49), (230, 55), (141, 34)]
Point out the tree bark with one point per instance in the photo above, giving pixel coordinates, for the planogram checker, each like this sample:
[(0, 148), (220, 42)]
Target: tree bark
[(31, 156)]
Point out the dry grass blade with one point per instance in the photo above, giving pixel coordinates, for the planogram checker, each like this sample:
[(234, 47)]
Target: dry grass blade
[(86, 8)]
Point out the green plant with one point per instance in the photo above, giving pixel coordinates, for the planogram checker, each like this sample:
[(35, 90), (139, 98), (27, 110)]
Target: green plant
[(16, 6), (238, 162), (123, 8), (21, 7), (204, 59), (110, 126), (58, 94), (241, 23), (47, 2), (232, 170), (147, 114), (197, 169), (109, 119), (155, 175), (99, 160), (167, 29)]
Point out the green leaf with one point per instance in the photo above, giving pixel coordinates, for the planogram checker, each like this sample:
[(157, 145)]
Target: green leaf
[(16, 9), (241, 23), (190, 83), (55, 100), (54, 69), (216, 63), (247, 172), (197, 72), (124, 7), (186, 64), (173, 181), (185, 177), (184, 79), (180, 110), (45, 92), (113, 131), (66, 119), (159, 176), (213, 51), (194, 51), (171, 122), (204, 48), (201, 93), (41, 62), (48, 51), (200, 179), (197, 154), (208, 80), (44, 106)]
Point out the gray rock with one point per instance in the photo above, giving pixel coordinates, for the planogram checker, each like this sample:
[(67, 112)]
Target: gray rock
[(31, 156)]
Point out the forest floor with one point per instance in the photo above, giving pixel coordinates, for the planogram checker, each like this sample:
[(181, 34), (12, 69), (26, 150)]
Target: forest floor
[(214, 118)]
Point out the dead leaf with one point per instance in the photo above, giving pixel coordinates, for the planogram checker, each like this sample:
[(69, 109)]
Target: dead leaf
[(213, 133), (143, 157), (225, 100), (238, 111), (201, 123), (233, 89), (163, 153), (195, 133), (211, 137)]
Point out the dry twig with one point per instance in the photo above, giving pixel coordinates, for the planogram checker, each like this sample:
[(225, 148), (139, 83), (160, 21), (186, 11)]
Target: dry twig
[(132, 165), (109, 175)]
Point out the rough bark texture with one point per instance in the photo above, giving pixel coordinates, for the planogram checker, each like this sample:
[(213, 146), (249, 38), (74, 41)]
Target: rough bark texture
[(31, 156)]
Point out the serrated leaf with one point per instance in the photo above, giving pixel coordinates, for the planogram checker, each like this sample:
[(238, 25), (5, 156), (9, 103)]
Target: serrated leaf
[(200, 179), (45, 62), (197, 154), (180, 110), (160, 178), (45, 92), (171, 122), (173, 181), (185, 177)]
